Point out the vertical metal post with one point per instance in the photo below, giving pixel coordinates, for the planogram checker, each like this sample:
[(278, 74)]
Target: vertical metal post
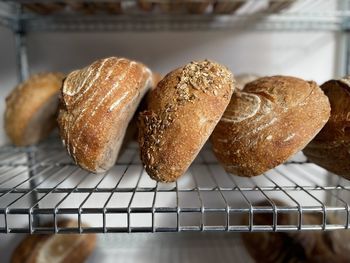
[(21, 47), (21, 54), (23, 73)]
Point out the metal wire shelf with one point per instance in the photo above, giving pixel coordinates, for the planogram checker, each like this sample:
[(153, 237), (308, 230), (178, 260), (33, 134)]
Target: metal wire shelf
[(48, 186), (315, 15)]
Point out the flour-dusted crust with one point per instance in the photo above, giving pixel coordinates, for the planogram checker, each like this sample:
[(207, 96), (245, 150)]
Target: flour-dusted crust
[(267, 123), (66, 248), (331, 147), (31, 108), (182, 113), (98, 102)]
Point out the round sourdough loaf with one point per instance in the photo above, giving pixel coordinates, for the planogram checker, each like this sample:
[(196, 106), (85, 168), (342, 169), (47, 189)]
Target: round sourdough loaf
[(331, 147), (182, 112), (267, 123), (31, 108), (55, 248), (97, 104)]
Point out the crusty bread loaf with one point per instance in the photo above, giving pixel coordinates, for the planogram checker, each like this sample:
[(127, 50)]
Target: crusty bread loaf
[(267, 123), (301, 246), (65, 248), (227, 7), (98, 102), (182, 112), (244, 79), (31, 108), (331, 147)]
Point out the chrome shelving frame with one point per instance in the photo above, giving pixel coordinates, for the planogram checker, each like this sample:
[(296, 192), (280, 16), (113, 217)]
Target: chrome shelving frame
[(125, 199), (40, 184)]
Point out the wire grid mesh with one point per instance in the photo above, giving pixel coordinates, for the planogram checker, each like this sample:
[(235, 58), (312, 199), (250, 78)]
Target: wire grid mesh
[(42, 183), (292, 15)]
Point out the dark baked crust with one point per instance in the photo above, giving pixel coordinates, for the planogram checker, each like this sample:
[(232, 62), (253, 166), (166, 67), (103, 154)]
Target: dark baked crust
[(31, 108), (98, 102), (267, 123), (182, 112), (331, 147)]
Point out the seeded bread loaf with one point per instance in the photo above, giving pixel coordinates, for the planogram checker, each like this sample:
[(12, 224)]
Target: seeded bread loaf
[(182, 113), (74, 248), (31, 109), (98, 102), (331, 147), (244, 79), (296, 247), (267, 123)]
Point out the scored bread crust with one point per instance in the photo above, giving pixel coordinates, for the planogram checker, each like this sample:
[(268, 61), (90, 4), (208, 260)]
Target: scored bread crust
[(331, 147), (182, 112), (31, 108), (274, 118), (37, 248), (97, 104)]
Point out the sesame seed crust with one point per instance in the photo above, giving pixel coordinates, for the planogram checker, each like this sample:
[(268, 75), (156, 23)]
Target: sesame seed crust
[(182, 112)]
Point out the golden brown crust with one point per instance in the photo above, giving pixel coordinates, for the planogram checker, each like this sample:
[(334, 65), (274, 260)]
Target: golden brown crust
[(297, 247), (182, 112), (74, 248), (98, 102), (270, 121), (331, 147), (31, 108)]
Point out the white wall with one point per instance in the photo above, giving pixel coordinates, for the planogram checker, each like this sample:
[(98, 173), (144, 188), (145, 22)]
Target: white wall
[(307, 55)]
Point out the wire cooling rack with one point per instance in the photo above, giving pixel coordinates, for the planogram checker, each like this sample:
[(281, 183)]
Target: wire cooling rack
[(278, 15), (40, 184)]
